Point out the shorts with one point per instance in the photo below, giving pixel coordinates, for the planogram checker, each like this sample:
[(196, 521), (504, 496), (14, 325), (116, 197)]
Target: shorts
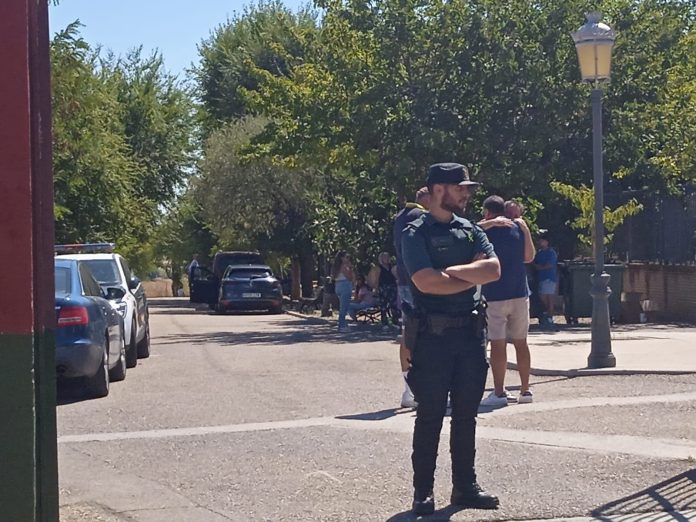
[(508, 319), (547, 287), (405, 295)]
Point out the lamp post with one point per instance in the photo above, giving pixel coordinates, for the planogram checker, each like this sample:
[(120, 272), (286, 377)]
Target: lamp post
[(594, 42)]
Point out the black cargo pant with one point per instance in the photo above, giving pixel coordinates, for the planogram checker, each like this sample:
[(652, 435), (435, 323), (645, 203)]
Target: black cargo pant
[(453, 362)]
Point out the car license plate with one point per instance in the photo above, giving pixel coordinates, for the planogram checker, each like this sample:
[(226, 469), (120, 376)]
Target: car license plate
[(250, 295)]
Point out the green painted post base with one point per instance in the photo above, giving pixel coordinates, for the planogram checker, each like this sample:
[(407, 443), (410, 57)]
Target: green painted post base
[(28, 469)]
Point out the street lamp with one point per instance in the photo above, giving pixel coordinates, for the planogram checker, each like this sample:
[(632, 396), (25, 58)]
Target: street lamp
[(594, 42)]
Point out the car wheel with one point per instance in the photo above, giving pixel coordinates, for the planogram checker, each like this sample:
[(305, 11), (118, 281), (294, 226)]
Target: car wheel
[(98, 384), (277, 310), (132, 350), (144, 344), (118, 372)]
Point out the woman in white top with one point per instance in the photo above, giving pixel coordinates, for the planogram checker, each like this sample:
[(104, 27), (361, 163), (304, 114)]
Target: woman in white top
[(342, 272)]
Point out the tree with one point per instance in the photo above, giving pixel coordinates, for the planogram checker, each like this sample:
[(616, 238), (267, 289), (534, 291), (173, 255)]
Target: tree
[(93, 171), (266, 35), (122, 145), (391, 86), (158, 123), (582, 198), (252, 203)]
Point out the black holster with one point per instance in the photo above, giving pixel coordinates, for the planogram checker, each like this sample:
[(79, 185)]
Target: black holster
[(412, 324)]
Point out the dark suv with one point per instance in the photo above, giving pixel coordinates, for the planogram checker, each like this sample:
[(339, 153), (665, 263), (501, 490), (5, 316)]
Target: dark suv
[(250, 287), (205, 285)]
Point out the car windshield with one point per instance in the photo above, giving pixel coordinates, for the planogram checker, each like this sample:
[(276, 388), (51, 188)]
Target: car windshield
[(248, 273), (104, 270), (62, 280)]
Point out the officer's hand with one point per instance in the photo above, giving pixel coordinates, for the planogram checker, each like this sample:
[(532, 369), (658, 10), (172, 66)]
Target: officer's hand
[(521, 222)]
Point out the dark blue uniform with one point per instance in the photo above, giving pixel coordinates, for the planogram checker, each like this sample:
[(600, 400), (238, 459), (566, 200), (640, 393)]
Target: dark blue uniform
[(449, 354)]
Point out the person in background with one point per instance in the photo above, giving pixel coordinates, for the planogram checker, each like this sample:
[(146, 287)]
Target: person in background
[(191, 271), (513, 209), (545, 263), (508, 299), (342, 273), (385, 284), (364, 298), (410, 212)]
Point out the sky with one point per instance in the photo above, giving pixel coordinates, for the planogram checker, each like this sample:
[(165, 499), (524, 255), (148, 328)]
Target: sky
[(174, 27)]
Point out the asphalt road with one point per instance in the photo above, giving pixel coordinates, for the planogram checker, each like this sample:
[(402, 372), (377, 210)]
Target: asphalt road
[(263, 417)]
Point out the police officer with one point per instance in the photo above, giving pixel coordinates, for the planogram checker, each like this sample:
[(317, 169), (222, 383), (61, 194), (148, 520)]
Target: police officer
[(446, 257)]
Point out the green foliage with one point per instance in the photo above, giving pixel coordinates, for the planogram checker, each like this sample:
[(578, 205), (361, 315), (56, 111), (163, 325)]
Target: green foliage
[(388, 87), (157, 118), (93, 172), (182, 234), (122, 145), (252, 203), (266, 35), (582, 198)]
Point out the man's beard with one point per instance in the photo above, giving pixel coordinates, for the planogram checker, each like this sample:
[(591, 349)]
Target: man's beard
[(451, 204)]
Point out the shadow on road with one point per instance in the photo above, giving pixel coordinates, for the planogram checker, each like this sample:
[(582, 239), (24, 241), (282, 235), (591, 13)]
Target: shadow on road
[(299, 335), (377, 415), (440, 515), (69, 391), (675, 494)]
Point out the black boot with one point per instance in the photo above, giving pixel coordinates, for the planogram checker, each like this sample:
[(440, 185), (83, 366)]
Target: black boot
[(472, 496), (423, 503)]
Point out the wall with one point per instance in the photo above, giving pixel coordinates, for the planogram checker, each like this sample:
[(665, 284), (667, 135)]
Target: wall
[(670, 288)]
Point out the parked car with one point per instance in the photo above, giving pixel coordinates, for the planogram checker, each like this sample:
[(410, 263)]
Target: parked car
[(90, 333), (112, 271), (205, 285), (248, 287)]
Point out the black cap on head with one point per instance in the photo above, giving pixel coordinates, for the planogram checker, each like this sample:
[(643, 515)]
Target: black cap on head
[(449, 173)]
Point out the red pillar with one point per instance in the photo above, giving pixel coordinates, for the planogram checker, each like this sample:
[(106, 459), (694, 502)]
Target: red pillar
[(28, 470)]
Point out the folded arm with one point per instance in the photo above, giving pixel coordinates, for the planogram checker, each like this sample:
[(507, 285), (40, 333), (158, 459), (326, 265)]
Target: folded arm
[(478, 272), (438, 282)]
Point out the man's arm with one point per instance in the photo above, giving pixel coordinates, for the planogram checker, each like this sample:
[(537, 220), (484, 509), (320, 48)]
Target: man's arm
[(477, 272), (500, 221), (438, 282), (528, 243)]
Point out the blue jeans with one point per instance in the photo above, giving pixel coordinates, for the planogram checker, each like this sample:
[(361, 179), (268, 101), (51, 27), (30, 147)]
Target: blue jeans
[(344, 291)]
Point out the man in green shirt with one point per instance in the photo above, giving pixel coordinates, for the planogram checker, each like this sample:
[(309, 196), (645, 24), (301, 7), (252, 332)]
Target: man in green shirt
[(446, 258)]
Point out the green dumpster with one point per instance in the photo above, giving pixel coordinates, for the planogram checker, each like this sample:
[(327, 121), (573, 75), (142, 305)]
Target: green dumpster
[(575, 285)]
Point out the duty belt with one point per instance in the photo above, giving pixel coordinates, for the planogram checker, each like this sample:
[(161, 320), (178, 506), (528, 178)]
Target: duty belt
[(437, 324)]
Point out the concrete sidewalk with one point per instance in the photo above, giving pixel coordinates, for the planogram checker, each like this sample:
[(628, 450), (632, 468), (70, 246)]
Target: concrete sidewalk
[(668, 349), (653, 349)]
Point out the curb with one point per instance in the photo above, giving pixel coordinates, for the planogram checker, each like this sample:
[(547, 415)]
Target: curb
[(310, 318), (593, 372)]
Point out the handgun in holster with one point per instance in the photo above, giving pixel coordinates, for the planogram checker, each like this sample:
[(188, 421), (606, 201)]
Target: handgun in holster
[(412, 324), (479, 315)]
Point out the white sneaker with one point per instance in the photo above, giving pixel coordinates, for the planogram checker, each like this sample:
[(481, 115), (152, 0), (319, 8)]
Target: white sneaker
[(408, 400), (495, 401), (525, 398)]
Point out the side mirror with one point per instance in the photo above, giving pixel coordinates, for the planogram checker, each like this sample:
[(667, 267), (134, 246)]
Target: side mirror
[(133, 283), (115, 293)]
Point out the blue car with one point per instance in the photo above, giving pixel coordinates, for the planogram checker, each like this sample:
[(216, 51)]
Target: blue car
[(90, 342)]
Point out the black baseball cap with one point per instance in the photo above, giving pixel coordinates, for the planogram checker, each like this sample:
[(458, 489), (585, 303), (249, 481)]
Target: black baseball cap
[(449, 173)]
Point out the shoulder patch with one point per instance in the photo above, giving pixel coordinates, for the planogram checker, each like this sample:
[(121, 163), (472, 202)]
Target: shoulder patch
[(416, 223), (463, 223)]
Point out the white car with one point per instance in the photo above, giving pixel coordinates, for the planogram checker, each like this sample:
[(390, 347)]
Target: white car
[(124, 291)]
